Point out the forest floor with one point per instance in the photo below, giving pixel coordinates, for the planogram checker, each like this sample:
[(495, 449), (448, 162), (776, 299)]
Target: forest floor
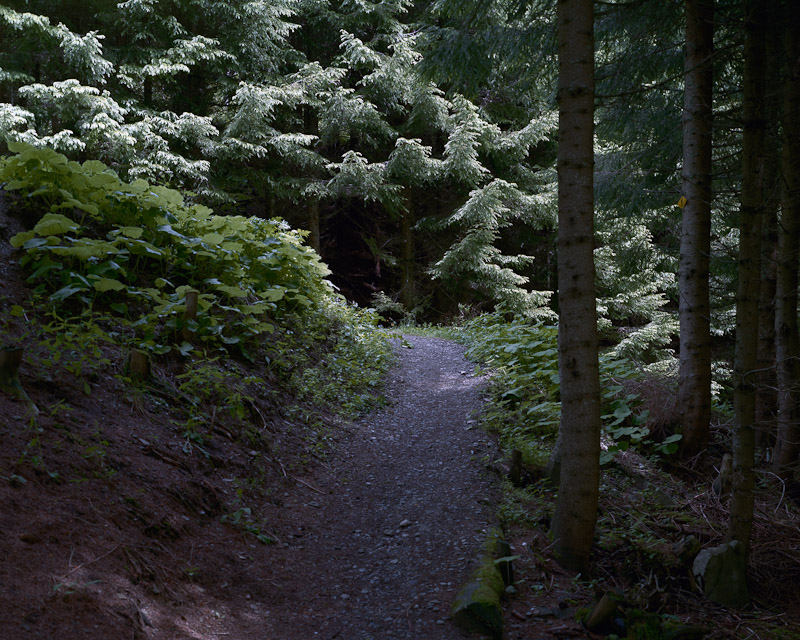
[(112, 528), (114, 525)]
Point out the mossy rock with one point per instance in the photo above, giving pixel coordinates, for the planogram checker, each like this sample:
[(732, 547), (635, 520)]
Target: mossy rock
[(722, 574), (477, 606)]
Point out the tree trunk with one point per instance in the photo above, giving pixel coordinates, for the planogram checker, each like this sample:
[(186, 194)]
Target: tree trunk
[(313, 224), (694, 376), (766, 395), (408, 293), (579, 434), (766, 398), (749, 276), (786, 333), (310, 126), (147, 97)]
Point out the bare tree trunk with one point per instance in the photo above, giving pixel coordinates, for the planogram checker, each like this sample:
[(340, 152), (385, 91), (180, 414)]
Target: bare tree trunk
[(766, 398), (766, 395), (313, 224), (694, 377), (749, 276), (579, 434), (314, 241), (147, 97), (786, 332), (408, 293)]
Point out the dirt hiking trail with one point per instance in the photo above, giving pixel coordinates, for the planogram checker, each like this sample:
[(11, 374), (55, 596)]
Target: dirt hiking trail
[(404, 508), (141, 540)]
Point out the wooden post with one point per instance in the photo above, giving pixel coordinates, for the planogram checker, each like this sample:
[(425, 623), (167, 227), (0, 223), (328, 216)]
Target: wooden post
[(139, 365), (504, 563), (190, 315)]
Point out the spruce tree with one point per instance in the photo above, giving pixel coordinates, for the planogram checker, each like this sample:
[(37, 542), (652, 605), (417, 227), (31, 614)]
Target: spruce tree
[(694, 377), (578, 446), (749, 275), (786, 300)]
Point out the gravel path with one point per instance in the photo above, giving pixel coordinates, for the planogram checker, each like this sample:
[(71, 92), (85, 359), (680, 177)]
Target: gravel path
[(402, 514)]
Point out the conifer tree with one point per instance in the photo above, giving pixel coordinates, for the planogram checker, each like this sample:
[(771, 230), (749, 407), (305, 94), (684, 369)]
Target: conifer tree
[(146, 90), (766, 389), (579, 434), (749, 275), (786, 334), (639, 79), (694, 378)]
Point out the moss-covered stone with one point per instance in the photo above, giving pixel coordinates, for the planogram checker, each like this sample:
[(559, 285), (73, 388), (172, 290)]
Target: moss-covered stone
[(477, 606), (722, 573)]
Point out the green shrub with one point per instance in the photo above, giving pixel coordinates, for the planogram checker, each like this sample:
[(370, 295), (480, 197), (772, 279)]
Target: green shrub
[(526, 410), (137, 249)]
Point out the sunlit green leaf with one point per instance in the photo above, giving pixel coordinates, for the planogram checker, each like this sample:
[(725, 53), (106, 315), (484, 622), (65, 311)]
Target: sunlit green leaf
[(18, 240), (213, 238), (66, 292), (234, 292), (108, 284), (273, 295), (132, 232), (55, 224), (34, 243)]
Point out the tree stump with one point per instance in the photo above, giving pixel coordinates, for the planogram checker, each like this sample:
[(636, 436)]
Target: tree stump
[(722, 484), (721, 572)]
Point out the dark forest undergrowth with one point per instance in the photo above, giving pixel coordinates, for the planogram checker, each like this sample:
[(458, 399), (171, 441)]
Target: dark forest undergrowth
[(131, 507), (656, 510)]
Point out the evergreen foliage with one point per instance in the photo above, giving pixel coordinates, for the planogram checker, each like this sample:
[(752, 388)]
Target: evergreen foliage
[(475, 259), (395, 123), (291, 102), (417, 143)]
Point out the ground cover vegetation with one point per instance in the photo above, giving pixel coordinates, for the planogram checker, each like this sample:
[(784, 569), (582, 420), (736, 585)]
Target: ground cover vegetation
[(162, 158), (175, 369)]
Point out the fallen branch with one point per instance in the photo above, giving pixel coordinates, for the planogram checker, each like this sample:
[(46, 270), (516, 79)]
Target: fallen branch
[(287, 475), (313, 488), (80, 566)]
